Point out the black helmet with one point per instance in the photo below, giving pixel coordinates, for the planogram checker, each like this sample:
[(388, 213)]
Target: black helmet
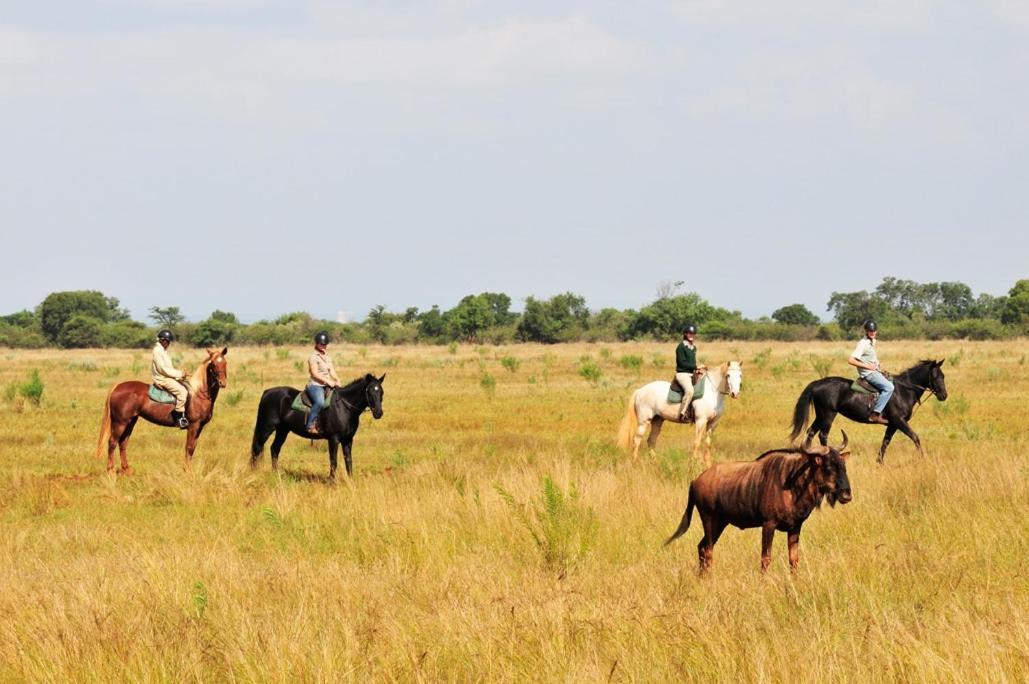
[(689, 328), (321, 338), (165, 335), (870, 326)]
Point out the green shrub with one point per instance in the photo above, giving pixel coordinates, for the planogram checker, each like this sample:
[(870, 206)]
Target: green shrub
[(631, 362), (821, 365), (33, 389), (562, 528), (233, 398), (510, 363), (487, 382), (589, 369)]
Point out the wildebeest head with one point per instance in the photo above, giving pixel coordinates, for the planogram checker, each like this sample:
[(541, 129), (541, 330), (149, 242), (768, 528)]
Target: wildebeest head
[(828, 466)]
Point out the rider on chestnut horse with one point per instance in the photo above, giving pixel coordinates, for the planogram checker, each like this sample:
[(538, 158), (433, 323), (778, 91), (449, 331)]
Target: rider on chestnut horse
[(169, 378)]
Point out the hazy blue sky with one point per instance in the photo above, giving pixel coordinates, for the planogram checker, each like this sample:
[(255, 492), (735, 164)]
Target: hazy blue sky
[(264, 156)]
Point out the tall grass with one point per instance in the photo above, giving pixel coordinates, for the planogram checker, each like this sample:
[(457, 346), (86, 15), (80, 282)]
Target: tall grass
[(500, 536)]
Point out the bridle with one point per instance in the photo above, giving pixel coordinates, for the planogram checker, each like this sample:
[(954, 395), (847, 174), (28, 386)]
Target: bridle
[(919, 388)]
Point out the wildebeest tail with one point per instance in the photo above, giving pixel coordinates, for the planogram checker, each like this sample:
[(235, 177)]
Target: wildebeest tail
[(627, 428), (105, 427), (801, 410), (685, 523)]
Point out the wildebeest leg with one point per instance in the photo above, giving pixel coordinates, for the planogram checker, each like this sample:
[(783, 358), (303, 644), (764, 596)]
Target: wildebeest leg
[(706, 548), (123, 445), (281, 433), (793, 542), (348, 445), (890, 431), (767, 534), (903, 426), (655, 432), (333, 447)]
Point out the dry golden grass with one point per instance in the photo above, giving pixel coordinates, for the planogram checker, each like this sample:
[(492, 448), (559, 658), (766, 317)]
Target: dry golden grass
[(424, 567)]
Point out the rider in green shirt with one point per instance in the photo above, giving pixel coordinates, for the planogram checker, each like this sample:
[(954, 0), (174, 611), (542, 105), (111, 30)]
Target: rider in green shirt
[(686, 365)]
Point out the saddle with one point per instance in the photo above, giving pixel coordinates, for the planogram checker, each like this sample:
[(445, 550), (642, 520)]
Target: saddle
[(163, 396), (862, 386), (303, 401), (675, 390)]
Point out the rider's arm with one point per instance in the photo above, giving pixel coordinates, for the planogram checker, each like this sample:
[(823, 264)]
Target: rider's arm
[(855, 358), (163, 364), (313, 370)]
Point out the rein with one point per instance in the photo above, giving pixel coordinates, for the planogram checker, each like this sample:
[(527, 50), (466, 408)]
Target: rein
[(918, 388)]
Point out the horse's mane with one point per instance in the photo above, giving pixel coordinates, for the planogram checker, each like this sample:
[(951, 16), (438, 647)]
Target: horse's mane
[(918, 366), (198, 380), (353, 383)]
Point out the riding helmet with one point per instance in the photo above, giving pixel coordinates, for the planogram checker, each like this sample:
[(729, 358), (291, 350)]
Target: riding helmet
[(165, 335), (689, 328), (870, 326), (321, 338)]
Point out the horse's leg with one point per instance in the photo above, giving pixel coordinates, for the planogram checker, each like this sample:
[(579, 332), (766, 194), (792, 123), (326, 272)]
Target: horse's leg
[(655, 432), (192, 432), (333, 441), (117, 430), (637, 438), (281, 433), (822, 424), (698, 437), (348, 445), (123, 445), (890, 431), (707, 441), (903, 426)]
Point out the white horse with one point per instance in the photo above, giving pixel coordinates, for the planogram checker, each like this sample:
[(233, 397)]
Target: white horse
[(649, 404)]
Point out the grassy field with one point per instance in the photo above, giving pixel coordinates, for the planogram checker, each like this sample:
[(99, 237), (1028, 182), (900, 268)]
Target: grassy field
[(493, 531)]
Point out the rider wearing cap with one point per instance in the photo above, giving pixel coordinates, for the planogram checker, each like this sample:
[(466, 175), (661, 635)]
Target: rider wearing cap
[(686, 366), (866, 361), (169, 378), (323, 375)]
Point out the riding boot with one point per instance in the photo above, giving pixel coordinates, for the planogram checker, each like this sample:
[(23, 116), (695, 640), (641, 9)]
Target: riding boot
[(878, 418), (179, 420)]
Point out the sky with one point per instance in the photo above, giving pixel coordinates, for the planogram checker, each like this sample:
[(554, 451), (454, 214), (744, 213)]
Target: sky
[(265, 156)]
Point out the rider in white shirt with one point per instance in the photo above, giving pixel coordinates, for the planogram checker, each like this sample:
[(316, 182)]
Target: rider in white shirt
[(866, 361)]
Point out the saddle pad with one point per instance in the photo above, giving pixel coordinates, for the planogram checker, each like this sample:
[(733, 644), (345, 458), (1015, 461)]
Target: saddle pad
[(698, 392), (303, 402), (859, 388), (159, 395)]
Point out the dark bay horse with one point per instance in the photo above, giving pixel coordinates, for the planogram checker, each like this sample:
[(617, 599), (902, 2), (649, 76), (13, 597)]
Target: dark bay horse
[(339, 420), (833, 395), (128, 401)]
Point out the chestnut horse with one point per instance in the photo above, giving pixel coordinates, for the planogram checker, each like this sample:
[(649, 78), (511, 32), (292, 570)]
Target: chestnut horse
[(127, 401)]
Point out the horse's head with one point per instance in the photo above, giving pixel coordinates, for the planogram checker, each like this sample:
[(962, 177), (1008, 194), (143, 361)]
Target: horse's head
[(373, 394), (217, 368), (936, 381), (734, 378)]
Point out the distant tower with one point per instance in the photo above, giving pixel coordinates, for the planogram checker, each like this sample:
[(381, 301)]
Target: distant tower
[(342, 316)]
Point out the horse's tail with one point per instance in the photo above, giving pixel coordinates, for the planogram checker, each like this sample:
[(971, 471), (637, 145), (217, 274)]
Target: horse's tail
[(685, 523), (628, 426), (801, 410), (105, 427)]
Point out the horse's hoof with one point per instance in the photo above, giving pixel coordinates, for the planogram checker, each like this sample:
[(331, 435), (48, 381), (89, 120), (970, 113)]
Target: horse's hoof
[(125, 471)]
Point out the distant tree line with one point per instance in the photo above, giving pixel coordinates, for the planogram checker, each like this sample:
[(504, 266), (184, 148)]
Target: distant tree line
[(903, 308)]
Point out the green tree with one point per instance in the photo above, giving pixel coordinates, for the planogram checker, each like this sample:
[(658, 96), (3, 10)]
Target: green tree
[(561, 318), (20, 319), (59, 307), (851, 309), (1016, 308), (432, 324), (666, 317), (167, 316), (795, 314), (472, 315), (80, 331)]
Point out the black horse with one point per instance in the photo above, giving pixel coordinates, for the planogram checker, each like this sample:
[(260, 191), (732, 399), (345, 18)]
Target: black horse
[(834, 395), (339, 420)]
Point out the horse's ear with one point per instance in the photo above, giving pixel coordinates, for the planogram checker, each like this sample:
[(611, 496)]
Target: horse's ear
[(225, 351), (940, 362), (210, 352), (383, 377)]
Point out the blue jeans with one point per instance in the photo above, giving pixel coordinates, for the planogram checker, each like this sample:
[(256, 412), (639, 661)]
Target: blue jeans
[(317, 394), (885, 387)]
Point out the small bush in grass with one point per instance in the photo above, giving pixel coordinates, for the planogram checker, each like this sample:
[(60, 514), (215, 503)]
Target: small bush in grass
[(589, 369), (233, 398), (452, 348), (762, 357), (299, 366), (33, 389), (821, 365), (282, 354), (10, 392), (487, 382), (510, 363), (631, 362), (562, 528)]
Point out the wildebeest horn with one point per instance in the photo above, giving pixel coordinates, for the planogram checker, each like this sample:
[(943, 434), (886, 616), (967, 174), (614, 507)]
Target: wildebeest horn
[(844, 445)]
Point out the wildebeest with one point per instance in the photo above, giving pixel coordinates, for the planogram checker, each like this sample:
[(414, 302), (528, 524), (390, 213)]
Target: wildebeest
[(776, 491)]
